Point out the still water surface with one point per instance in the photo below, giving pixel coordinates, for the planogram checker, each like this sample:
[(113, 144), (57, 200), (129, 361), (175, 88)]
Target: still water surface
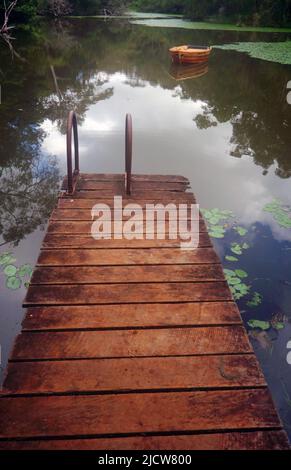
[(225, 127)]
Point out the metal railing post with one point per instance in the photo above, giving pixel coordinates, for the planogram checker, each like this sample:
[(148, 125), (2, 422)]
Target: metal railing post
[(128, 153), (72, 175)]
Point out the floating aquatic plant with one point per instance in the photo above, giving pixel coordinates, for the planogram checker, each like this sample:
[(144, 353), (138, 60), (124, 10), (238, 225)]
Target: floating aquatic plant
[(234, 278), (15, 276), (241, 231), (276, 322), (237, 248), (279, 52), (281, 213), (214, 219), (255, 301), (262, 325), (230, 258)]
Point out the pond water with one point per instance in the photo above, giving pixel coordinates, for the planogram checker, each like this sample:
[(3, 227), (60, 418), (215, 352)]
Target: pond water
[(225, 126)]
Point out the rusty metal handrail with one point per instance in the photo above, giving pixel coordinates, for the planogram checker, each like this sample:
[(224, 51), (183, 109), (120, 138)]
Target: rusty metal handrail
[(72, 175), (128, 153)]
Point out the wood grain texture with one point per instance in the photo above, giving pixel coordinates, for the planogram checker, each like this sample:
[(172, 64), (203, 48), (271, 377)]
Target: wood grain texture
[(156, 215), (117, 375), (255, 440), (83, 227), (117, 187), (143, 413), (130, 256), (137, 194), (131, 316), (88, 294), (130, 274), (52, 240), (131, 343), (85, 203)]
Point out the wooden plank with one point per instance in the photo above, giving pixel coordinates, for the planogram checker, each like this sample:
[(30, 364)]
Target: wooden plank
[(134, 177), (118, 187), (116, 257), (85, 214), (81, 227), (131, 316), (143, 413), (137, 194), (130, 274), (120, 375), (255, 440), (131, 343), (73, 203), (122, 293), (52, 240)]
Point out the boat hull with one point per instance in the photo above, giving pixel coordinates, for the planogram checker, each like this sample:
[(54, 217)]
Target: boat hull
[(185, 55)]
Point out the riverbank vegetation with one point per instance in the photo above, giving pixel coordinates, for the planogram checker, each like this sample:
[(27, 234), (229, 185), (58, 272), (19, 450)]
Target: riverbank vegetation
[(22, 11), (241, 12)]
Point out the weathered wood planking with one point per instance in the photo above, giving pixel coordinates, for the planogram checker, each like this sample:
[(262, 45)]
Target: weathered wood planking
[(259, 440), (77, 294), (129, 316), (115, 257), (118, 414), (109, 322), (131, 343), (155, 373), (118, 274), (56, 241)]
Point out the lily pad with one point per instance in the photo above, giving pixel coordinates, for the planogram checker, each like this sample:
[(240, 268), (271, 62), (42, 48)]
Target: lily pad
[(25, 270), (240, 273), (234, 281), (241, 231), (6, 258), (10, 270), (278, 326), (229, 272), (231, 258), (280, 212), (262, 325), (279, 52), (236, 249), (255, 301), (13, 282)]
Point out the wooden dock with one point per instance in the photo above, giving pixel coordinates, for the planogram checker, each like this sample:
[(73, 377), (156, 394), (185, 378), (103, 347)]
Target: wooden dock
[(132, 344)]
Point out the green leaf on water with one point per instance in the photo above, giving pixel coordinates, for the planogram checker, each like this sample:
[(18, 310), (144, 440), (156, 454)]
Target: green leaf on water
[(25, 270), (231, 258), (229, 272), (10, 270), (278, 325), (280, 212), (13, 282), (216, 234), (234, 281), (255, 301), (236, 249), (241, 273), (241, 231), (6, 258), (262, 325)]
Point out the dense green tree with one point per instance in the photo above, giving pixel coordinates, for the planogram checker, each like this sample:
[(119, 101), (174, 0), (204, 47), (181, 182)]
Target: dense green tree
[(254, 12)]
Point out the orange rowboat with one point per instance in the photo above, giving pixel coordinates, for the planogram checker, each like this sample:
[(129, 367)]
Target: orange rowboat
[(190, 54)]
